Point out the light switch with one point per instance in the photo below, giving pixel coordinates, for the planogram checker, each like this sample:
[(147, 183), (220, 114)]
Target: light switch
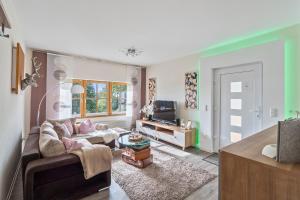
[(273, 112)]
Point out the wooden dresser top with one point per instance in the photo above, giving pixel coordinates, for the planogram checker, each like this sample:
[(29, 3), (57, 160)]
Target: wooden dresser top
[(251, 148)]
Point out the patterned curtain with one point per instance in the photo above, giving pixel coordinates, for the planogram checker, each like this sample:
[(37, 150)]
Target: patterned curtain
[(134, 93)]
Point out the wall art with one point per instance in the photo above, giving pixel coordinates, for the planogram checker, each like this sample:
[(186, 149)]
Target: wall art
[(152, 89), (191, 94)]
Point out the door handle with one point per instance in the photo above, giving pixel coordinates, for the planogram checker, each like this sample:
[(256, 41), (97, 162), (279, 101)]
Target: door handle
[(257, 111)]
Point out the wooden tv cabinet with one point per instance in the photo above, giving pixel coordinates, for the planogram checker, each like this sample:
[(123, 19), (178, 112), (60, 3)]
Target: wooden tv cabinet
[(169, 133)]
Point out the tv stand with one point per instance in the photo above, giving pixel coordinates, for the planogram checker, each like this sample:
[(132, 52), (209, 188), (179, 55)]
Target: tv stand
[(169, 133)]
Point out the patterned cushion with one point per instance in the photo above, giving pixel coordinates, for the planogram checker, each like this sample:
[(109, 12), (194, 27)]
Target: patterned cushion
[(51, 146), (70, 126), (62, 130), (61, 121), (47, 128)]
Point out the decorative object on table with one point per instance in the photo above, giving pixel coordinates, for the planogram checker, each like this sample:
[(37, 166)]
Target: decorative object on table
[(17, 72), (31, 80), (152, 89), (177, 122), (288, 141), (191, 94), (182, 124), (147, 110), (135, 137), (188, 125), (270, 151), (132, 51)]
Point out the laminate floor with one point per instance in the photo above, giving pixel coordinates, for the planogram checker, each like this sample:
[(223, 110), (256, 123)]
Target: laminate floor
[(115, 192)]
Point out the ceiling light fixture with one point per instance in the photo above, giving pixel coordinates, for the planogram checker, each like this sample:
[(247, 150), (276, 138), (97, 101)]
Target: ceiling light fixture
[(132, 52)]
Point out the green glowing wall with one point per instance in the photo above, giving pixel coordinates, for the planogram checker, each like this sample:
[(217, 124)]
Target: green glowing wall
[(291, 37)]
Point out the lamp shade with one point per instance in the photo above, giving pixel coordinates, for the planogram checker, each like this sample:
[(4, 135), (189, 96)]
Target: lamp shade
[(77, 89)]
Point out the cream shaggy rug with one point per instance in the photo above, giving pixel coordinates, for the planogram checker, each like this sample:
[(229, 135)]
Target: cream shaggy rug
[(168, 178)]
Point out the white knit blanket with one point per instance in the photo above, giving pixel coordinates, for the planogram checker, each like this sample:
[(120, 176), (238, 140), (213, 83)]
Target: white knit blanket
[(107, 136), (95, 159)]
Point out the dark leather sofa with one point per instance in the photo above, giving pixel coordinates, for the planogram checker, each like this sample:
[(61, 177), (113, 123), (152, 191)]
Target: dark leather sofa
[(59, 177)]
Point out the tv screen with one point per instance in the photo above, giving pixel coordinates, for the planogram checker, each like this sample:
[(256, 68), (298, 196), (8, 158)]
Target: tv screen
[(164, 111)]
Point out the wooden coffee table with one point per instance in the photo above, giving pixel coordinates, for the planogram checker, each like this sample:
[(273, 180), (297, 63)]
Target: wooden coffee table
[(136, 153)]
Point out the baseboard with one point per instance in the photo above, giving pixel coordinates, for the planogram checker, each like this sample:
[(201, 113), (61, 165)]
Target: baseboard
[(12, 185)]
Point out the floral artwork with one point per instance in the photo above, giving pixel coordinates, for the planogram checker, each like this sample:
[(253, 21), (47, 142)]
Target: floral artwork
[(191, 90), (152, 89)]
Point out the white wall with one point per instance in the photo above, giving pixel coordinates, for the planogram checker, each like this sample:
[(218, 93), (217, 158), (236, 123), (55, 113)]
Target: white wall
[(272, 57), (170, 84), (170, 78), (11, 106)]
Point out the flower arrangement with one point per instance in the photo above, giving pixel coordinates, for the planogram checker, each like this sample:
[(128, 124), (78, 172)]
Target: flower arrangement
[(147, 109)]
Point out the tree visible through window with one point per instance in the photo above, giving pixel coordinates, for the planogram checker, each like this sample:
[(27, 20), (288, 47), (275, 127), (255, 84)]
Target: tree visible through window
[(100, 98), (119, 96)]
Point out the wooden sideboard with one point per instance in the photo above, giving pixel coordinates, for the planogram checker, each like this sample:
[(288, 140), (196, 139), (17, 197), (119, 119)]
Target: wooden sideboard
[(169, 133), (245, 174)]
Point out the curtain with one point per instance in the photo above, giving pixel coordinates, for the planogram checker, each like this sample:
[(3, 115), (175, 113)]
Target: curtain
[(133, 93)]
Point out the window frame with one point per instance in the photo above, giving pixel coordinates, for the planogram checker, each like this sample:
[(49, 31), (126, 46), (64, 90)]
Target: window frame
[(83, 98)]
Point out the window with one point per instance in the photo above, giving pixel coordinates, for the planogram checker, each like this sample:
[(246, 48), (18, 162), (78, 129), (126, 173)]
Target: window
[(76, 98), (119, 96), (100, 98), (96, 98), (236, 87)]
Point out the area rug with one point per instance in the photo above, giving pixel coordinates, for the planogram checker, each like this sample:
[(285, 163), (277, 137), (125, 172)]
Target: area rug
[(168, 178)]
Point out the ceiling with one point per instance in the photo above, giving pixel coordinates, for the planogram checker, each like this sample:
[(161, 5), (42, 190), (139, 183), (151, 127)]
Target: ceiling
[(164, 29)]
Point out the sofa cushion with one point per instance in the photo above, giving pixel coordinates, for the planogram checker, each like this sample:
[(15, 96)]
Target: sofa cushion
[(50, 146), (73, 144), (47, 128), (70, 126), (62, 130), (86, 127), (61, 121)]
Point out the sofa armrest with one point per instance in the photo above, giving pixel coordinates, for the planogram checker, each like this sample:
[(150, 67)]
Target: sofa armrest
[(31, 151), (43, 165)]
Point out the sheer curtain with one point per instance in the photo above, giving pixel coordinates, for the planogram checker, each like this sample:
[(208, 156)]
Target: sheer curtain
[(59, 97), (133, 93)]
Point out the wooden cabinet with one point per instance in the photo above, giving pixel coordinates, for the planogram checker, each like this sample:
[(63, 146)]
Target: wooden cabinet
[(245, 174), (169, 133)]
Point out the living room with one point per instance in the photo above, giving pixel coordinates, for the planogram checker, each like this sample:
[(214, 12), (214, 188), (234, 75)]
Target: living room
[(149, 100)]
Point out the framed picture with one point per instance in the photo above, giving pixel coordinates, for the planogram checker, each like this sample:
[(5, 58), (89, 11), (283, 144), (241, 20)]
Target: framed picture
[(191, 94), (17, 73), (152, 89)]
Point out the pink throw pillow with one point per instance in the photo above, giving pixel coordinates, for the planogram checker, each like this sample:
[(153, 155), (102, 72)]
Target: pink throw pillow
[(69, 125), (86, 127)]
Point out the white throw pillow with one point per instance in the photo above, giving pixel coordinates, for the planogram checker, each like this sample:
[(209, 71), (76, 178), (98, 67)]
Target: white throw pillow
[(47, 128), (50, 146)]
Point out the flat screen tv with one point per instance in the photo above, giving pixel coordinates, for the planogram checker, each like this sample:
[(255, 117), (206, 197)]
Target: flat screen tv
[(164, 111)]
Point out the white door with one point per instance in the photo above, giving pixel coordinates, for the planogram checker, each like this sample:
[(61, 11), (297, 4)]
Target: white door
[(238, 103)]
